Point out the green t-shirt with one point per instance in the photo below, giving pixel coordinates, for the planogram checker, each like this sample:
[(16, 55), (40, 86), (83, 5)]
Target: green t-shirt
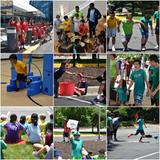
[(156, 16), (140, 123), (99, 158), (138, 77), (3, 146), (109, 121), (151, 68), (127, 27), (113, 67), (1, 130), (80, 14), (155, 80), (77, 146)]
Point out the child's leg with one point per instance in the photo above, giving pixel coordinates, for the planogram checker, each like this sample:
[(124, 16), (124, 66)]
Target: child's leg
[(43, 149), (37, 146), (113, 40), (17, 84), (100, 90), (157, 39)]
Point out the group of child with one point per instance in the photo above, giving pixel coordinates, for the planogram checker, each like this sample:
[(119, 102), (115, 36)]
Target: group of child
[(138, 77), (39, 30), (113, 24), (34, 128), (77, 25)]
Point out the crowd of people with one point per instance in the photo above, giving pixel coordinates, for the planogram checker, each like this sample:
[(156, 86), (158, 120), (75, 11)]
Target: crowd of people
[(125, 73), (34, 129), (39, 30), (127, 23), (80, 34)]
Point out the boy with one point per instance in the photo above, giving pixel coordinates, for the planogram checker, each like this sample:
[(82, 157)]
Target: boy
[(156, 19), (20, 68), (147, 21), (155, 85), (112, 26), (140, 129), (127, 30), (83, 29), (77, 146), (138, 77), (66, 24)]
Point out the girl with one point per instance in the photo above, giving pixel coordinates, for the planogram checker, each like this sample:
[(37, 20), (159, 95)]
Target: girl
[(33, 130), (24, 124), (122, 92)]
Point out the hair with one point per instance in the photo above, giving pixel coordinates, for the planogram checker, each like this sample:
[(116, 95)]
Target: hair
[(34, 119), (124, 85), (104, 74), (102, 151), (57, 16), (13, 118), (77, 7), (22, 119), (51, 116), (65, 17), (91, 5), (42, 117), (13, 56), (154, 58), (137, 60), (114, 55), (83, 21), (49, 126)]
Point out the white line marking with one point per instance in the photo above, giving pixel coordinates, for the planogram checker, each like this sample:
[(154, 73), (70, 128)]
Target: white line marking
[(146, 155)]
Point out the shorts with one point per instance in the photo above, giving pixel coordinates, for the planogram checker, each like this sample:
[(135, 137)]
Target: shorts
[(59, 33), (126, 38), (154, 101), (66, 134), (138, 99), (145, 34), (21, 77), (109, 132), (140, 131), (157, 30), (111, 32)]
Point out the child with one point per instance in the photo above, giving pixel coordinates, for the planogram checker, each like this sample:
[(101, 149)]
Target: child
[(66, 24), (140, 129), (81, 86), (77, 146), (146, 20), (20, 68), (155, 85), (76, 23), (121, 92), (33, 130), (57, 24), (156, 19), (13, 129), (42, 123), (66, 131), (24, 124), (112, 26), (127, 30), (101, 155), (83, 29), (22, 39), (138, 77)]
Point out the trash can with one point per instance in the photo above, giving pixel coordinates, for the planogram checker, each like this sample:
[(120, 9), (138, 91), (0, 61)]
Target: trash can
[(29, 36), (12, 43), (67, 88)]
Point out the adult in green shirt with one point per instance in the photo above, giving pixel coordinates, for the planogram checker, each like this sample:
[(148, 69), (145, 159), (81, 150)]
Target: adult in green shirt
[(127, 29), (77, 146), (155, 86), (156, 20), (138, 77), (77, 11)]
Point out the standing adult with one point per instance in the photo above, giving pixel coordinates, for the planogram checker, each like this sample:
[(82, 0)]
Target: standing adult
[(77, 11), (93, 16)]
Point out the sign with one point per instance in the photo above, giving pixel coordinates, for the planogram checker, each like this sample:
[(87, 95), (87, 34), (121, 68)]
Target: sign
[(72, 124)]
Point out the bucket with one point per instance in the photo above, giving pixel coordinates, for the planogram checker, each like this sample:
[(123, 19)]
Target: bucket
[(66, 88)]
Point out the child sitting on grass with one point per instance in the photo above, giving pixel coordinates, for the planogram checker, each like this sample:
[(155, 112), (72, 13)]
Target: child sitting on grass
[(42, 123), (24, 124), (122, 92), (13, 129), (33, 130), (21, 70)]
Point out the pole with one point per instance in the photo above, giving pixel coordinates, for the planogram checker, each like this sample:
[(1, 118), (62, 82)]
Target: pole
[(107, 81), (99, 124)]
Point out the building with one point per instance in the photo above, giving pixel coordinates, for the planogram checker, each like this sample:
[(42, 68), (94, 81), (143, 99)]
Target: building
[(44, 6)]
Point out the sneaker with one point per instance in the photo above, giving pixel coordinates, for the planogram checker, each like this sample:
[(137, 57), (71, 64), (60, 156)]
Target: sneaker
[(125, 49), (143, 49), (157, 46), (35, 154), (129, 135), (113, 49)]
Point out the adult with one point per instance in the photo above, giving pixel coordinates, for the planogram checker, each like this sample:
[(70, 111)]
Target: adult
[(77, 11), (93, 16)]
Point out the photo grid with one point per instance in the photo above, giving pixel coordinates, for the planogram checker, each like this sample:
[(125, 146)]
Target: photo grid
[(79, 79)]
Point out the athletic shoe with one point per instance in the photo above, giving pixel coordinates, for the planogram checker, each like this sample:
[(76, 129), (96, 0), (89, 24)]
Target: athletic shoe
[(143, 49), (129, 135), (157, 46), (35, 154), (113, 49)]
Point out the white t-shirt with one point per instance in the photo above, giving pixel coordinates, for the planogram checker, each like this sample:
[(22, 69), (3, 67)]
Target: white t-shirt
[(76, 24), (57, 24), (92, 17), (34, 133)]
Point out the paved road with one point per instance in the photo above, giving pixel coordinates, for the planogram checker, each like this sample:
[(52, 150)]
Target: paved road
[(135, 43), (75, 101), (130, 148)]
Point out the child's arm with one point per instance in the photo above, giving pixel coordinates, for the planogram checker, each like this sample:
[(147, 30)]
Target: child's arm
[(70, 73), (89, 77), (155, 91), (130, 85)]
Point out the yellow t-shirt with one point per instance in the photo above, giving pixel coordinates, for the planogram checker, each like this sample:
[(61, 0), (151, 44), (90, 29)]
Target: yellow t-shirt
[(20, 67), (67, 25), (42, 125), (112, 22)]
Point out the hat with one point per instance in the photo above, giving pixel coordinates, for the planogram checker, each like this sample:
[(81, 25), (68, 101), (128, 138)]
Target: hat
[(76, 133)]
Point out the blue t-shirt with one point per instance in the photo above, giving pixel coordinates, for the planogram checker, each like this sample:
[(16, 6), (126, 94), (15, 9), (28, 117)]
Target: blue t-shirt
[(138, 77), (140, 123), (58, 73), (146, 22), (122, 97)]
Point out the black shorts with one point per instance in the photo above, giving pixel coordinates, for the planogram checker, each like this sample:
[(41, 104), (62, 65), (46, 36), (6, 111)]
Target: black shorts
[(59, 33), (140, 131), (21, 77), (66, 134), (157, 30), (154, 101)]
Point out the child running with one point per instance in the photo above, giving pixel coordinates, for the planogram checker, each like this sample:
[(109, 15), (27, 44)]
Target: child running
[(138, 77), (140, 129)]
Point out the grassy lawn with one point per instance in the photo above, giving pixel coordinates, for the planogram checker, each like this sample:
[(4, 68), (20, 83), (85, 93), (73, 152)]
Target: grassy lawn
[(20, 151)]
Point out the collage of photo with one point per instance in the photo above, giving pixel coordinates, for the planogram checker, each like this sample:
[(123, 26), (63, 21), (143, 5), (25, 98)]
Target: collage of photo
[(79, 79)]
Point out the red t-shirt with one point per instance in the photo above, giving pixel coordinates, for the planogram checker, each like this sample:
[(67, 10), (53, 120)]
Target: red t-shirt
[(48, 139), (18, 26), (24, 26), (12, 23), (83, 29)]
